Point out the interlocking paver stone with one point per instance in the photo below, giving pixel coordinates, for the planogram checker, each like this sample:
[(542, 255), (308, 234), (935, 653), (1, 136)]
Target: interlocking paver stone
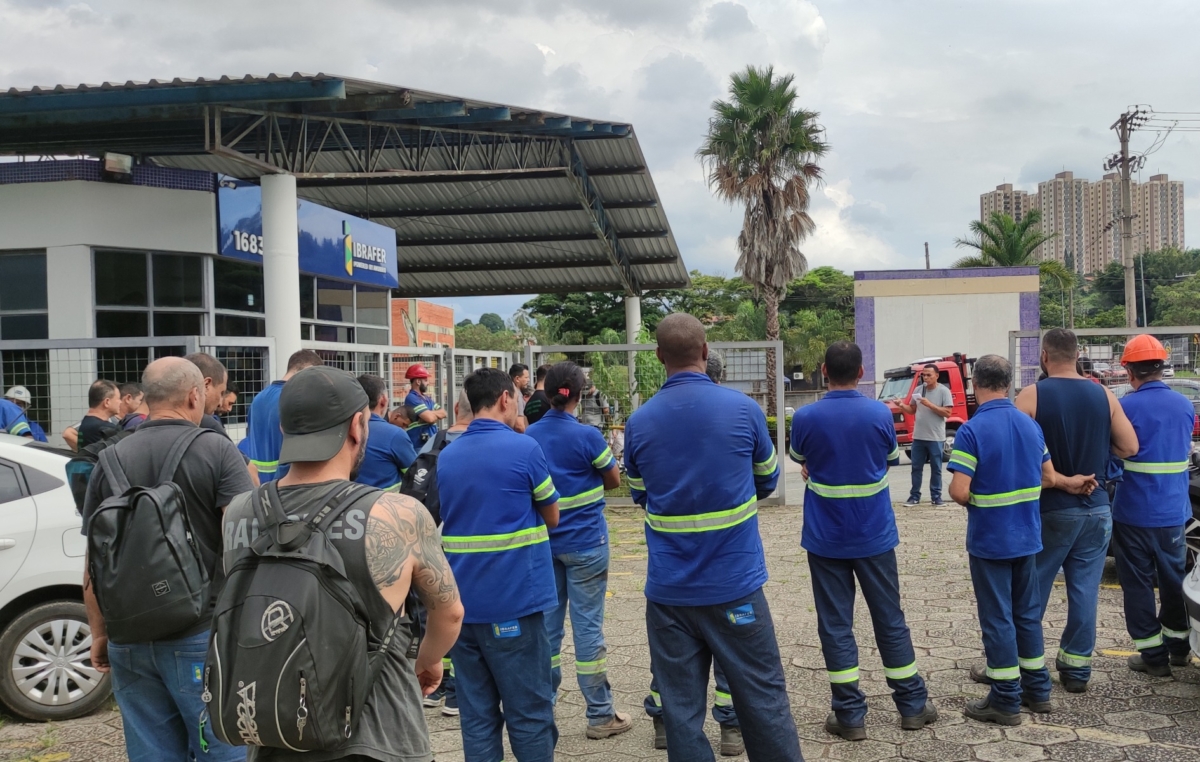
[(1138, 720), (1082, 751), (1009, 751)]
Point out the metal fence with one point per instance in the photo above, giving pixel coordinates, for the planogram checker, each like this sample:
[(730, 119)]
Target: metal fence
[(1100, 356), (623, 376)]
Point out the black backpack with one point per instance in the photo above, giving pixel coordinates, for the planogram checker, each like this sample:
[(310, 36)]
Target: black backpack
[(420, 480), (291, 659), (143, 558), (80, 467)]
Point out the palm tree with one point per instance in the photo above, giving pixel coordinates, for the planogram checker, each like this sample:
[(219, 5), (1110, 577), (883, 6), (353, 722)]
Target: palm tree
[(761, 151)]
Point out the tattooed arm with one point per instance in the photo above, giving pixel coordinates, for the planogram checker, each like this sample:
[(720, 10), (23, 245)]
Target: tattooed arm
[(403, 549)]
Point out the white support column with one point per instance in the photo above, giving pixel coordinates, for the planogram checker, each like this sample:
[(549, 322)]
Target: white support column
[(281, 265), (633, 327)]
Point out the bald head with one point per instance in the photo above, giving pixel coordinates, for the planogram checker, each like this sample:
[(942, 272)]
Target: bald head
[(681, 343), (174, 389)]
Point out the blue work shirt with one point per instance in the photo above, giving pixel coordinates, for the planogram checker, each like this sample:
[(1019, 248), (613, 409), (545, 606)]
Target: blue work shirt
[(578, 456), (389, 454), (1002, 450), (266, 438), (491, 483), (1154, 491), (13, 421), (419, 431), (39, 435), (847, 442), (699, 476)]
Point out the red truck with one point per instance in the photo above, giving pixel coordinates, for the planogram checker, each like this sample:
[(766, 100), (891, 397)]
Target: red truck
[(954, 373)]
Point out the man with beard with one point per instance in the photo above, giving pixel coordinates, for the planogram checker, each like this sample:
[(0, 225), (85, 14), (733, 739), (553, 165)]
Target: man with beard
[(427, 412)]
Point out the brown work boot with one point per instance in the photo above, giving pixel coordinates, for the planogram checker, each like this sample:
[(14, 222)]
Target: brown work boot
[(732, 744), (618, 724)]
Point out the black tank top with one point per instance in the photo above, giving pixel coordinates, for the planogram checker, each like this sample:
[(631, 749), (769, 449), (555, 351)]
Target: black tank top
[(1076, 421)]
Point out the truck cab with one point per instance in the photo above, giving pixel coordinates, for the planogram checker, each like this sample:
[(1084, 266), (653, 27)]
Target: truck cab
[(954, 372)]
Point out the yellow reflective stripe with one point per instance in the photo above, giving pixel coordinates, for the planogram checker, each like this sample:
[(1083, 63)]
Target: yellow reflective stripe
[(894, 454), (582, 499), (1074, 660), (843, 676), (494, 543), (19, 428), (1141, 467), (1176, 634), (722, 699), (703, 522), (392, 488), (556, 661), (967, 458), (795, 455), (265, 466), (657, 699), (544, 490), (1006, 498), (1004, 673), (418, 409), (598, 667), (767, 467), (603, 459), (900, 673), (843, 491), (1153, 641), (1035, 663), (417, 425), (636, 483)]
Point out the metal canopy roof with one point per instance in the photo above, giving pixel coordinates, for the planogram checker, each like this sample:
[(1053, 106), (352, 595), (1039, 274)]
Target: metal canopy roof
[(485, 198)]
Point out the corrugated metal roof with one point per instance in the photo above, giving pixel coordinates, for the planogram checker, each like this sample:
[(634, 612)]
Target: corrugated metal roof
[(485, 198)]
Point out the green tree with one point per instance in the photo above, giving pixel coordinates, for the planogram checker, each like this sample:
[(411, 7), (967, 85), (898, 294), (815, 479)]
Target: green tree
[(1002, 242), (589, 313), (478, 336), (1179, 303), (710, 298), (492, 322), (463, 323), (825, 288), (761, 151), (1155, 269)]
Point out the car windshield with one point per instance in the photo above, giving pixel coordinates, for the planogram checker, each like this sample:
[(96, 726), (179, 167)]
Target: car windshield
[(895, 388)]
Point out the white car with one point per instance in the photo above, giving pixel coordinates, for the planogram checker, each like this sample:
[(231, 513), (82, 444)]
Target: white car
[(46, 669)]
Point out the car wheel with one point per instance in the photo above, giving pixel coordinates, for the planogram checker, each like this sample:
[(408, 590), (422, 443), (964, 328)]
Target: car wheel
[(46, 668), (1191, 536), (948, 446)]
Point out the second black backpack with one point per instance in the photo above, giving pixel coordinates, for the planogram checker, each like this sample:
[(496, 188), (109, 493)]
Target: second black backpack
[(420, 480)]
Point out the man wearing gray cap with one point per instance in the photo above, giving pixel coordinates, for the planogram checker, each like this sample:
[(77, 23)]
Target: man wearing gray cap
[(388, 544)]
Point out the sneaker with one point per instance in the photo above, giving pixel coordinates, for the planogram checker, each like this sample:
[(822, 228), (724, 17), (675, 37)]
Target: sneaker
[(910, 503), (1181, 660), (731, 741), (1037, 707), (835, 728), (660, 733), (616, 725), (929, 714), (434, 699), (979, 674), (937, 504), (983, 711), (1137, 664), (450, 708)]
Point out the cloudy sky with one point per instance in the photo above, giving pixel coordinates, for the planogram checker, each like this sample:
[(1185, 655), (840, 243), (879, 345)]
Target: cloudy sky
[(926, 104)]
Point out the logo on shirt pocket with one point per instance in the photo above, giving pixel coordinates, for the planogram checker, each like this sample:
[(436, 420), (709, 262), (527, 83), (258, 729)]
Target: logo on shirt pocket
[(741, 615)]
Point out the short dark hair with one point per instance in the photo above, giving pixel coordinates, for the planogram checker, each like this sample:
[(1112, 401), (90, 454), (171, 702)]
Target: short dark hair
[(304, 358), (210, 367), (681, 339), (540, 374), (929, 366), (1060, 345), (374, 386), (130, 389), (100, 390), (231, 388), (992, 372), (516, 370), (842, 361), (1146, 368), (485, 386), (565, 375)]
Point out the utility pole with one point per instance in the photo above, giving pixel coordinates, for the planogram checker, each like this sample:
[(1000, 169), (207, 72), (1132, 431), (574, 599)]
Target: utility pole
[(1125, 126), (927, 255)]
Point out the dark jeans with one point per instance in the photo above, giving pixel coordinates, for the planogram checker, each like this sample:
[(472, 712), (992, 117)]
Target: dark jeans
[(158, 688), (833, 593), (684, 641), (923, 452), (722, 709), (1075, 540), (513, 671), (1142, 553), (1006, 596)]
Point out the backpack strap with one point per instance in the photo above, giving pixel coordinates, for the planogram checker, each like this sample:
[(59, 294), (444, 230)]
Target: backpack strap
[(439, 441), (289, 535), (118, 482), (176, 453)]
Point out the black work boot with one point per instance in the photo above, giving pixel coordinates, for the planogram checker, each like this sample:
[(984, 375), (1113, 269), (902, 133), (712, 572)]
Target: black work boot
[(1138, 664), (660, 733), (928, 715), (1181, 660), (1069, 684), (731, 741), (983, 711), (979, 674), (1037, 707), (833, 727)]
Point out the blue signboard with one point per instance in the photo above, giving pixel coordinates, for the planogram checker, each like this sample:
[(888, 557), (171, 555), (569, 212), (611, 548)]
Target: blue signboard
[(332, 243)]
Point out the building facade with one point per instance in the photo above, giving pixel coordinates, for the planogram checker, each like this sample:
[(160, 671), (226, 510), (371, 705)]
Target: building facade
[(1014, 203), (418, 323)]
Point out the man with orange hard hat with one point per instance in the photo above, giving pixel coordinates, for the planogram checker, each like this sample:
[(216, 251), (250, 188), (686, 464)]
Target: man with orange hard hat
[(426, 412), (1150, 509)]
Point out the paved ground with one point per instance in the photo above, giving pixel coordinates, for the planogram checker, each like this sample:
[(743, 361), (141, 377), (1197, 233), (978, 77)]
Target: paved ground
[(1124, 716)]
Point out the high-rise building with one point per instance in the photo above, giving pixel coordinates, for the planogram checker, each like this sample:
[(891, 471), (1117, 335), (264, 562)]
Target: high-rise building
[(1004, 199), (1063, 203), (1158, 205)]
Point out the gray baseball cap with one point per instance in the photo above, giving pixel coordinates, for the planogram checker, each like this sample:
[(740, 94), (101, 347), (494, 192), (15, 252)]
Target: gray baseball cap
[(315, 410)]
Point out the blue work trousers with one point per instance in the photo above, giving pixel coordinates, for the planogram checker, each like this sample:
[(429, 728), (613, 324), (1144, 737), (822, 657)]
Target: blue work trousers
[(1144, 553), (1010, 618), (740, 636), (924, 451), (499, 664), (722, 709), (158, 688), (833, 591), (582, 580), (1076, 541)]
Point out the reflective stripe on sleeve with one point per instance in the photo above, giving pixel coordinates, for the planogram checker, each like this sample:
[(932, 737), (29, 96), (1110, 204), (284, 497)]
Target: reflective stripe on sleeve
[(265, 466), (418, 409), (19, 428), (1141, 467), (1004, 673), (635, 483), (963, 459), (703, 522), (795, 455), (894, 454), (598, 667), (900, 673), (603, 459), (844, 675), (544, 490), (494, 543), (582, 499), (767, 467), (1074, 660), (1006, 498), (848, 490), (1031, 664), (722, 699)]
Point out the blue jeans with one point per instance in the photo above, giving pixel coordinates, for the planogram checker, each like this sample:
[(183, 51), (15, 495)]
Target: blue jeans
[(158, 687), (833, 593), (1010, 616), (1142, 553), (722, 709), (505, 663), (923, 452), (684, 641), (582, 580), (1075, 540)]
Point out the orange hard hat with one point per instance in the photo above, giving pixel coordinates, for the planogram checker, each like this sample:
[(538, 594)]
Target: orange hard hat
[(416, 370), (1144, 348)]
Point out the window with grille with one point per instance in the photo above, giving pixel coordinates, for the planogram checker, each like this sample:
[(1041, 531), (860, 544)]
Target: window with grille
[(23, 312), (140, 294)]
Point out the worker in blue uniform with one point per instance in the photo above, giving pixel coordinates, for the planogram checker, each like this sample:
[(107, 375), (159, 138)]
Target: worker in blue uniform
[(262, 420), (13, 420), (1000, 464), (425, 411), (501, 557), (389, 451), (700, 484), (846, 442), (1150, 510), (20, 396)]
